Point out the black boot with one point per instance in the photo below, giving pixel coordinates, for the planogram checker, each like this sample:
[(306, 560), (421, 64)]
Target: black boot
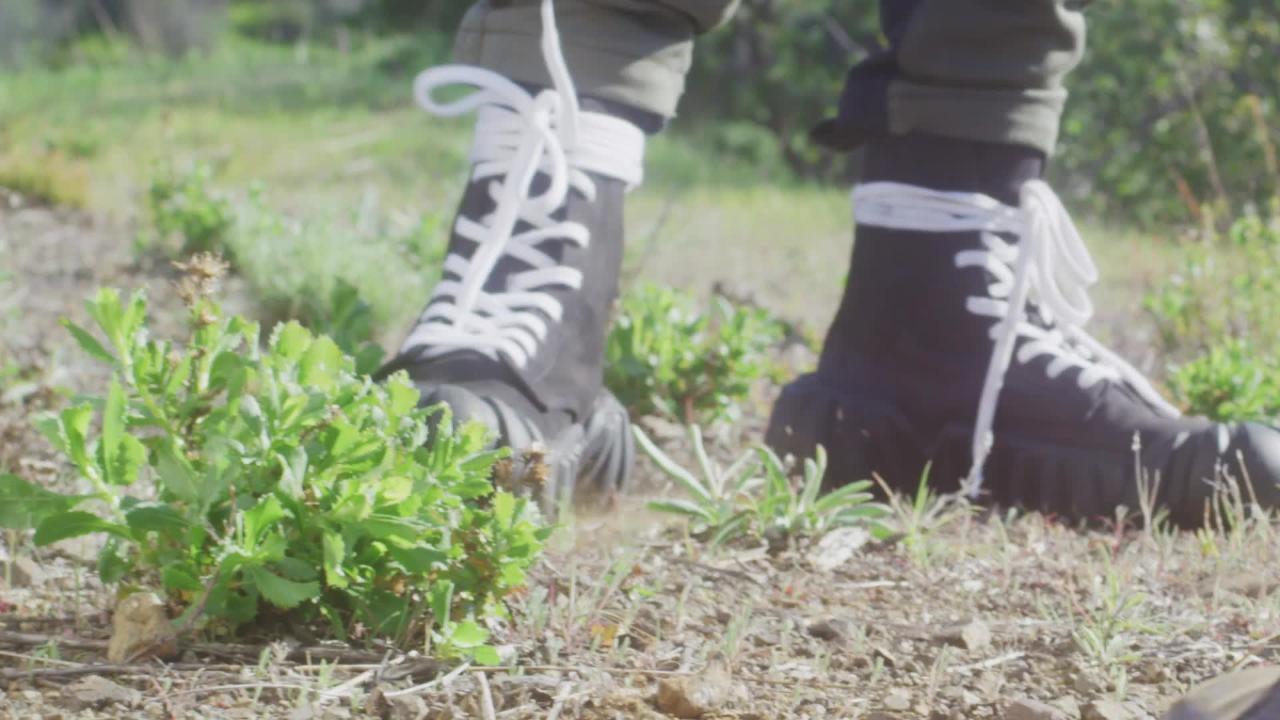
[(909, 359), (514, 333)]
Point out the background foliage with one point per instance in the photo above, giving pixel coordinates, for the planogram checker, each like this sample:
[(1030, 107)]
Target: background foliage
[(1173, 114)]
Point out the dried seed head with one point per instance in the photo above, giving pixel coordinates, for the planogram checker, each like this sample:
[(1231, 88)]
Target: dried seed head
[(201, 273)]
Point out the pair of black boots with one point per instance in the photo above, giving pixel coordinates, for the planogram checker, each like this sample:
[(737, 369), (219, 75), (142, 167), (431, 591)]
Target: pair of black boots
[(941, 275)]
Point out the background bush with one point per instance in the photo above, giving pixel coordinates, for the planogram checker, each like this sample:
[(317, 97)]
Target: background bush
[(1173, 113)]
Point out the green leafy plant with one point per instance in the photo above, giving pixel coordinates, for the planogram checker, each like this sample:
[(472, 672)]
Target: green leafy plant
[(1231, 382), (1216, 320), (186, 206), (663, 356), (278, 484), (757, 496)]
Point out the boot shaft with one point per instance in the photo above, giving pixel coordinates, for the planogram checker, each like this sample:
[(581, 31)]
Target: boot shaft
[(905, 300)]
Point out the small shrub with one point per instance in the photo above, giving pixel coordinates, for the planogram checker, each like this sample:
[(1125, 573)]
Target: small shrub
[(663, 356), (756, 495), (1217, 322), (185, 206), (1229, 383), (287, 487)]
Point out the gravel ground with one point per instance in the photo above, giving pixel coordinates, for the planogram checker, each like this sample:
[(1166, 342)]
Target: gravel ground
[(968, 613)]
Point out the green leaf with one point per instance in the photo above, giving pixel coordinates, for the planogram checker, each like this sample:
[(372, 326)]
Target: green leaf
[(23, 505), (334, 552), (486, 655), (113, 426), (468, 635), (293, 471), (70, 433), (259, 518), (88, 342), (179, 578), (671, 468), (75, 523), (176, 476), (504, 508), (290, 341), (681, 506), (280, 592), (321, 363), (419, 560), (127, 460), (442, 601), (112, 564), (155, 517)]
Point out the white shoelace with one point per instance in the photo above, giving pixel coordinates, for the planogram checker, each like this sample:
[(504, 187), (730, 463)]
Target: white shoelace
[(517, 136), (1049, 266)]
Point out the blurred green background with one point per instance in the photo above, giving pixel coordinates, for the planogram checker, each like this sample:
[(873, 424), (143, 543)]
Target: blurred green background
[(1173, 113)]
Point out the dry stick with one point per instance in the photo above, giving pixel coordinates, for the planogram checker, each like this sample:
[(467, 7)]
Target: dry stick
[(442, 680), (8, 637), (36, 658), (486, 697), (137, 669), (251, 652), (990, 662)]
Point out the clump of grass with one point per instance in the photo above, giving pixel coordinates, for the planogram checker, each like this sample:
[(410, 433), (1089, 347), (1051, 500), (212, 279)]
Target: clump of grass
[(757, 496), (49, 176), (665, 356)]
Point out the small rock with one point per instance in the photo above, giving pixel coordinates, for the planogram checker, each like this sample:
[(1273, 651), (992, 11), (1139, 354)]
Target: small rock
[(96, 691), (898, 699), (1085, 685), (35, 697), (406, 707), (141, 629), (976, 636), (695, 695), (1067, 705), (837, 547), (880, 716), (829, 629), (1026, 709), (24, 571), (969, 699), (1106, 710)]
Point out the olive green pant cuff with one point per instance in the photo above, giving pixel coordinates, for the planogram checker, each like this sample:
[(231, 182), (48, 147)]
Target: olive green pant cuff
[(634, 59), (1017, 117)]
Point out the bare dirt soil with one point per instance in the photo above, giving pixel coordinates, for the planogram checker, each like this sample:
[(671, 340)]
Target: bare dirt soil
[(965, 613)]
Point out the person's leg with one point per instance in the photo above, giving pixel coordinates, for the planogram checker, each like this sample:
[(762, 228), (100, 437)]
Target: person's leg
[(513, 335), (959, 346), (633, 52)]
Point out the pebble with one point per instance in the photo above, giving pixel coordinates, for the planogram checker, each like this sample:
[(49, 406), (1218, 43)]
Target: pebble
[(1106, 710), (1027, 709), (95, 691), (695, 695), (898, 699), (976, 636)]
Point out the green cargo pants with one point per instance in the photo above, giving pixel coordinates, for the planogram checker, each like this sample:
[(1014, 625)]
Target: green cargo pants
[(987, 70)]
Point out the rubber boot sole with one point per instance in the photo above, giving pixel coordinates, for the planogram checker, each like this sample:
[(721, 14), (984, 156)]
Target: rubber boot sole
[(864, 436)]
